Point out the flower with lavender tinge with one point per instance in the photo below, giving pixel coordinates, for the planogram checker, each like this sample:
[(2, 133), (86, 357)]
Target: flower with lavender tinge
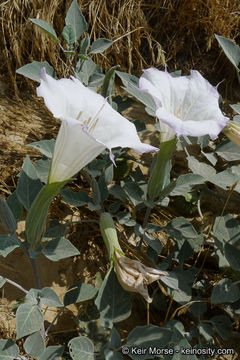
[(89, 125), (185, 105), (134, 276)]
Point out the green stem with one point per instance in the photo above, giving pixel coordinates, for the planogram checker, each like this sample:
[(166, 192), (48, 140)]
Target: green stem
[(38, 213), (161, 172)]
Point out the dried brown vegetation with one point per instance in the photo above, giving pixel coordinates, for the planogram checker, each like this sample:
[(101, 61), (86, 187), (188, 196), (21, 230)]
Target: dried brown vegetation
[(141, 30)]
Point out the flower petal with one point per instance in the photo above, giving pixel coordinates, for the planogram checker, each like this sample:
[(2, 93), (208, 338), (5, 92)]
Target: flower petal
[(189, 104), (74, 148)]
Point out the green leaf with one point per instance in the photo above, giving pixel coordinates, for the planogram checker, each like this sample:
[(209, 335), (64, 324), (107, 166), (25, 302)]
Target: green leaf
[(108, 84), (49, 297), (231, 50), (180, 228), (100, 45), (145, 337), (236, 107), (34, 344), (200, 168), (28, 184), (68, 34), (81, 348), (52, 353), (131, 86), (185, 183), (42, 167), (7, 244), (8, 350), (118, 192), (15, 205), (79, 198), (79, 292), (226, 229), (134, 192), (222, 325), (232, 254), (55, 229), (225, 292), (84, 45), (228, 151), (59, 248), (29, 319), (76, 19), (32, 70), (112, 301), (46, 147), (47, 28), (2, 281)]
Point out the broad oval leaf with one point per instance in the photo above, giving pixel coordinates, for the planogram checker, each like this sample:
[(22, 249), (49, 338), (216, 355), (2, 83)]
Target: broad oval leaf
[(8, 350), (232, 254), (29, 319), (52, 353), (148, 336), (7, 244), (32, 70), (28, 184), (49, 297), (81, 348), (225, 292), (112, 301), (59, 248), (79, 292), (34, 344), (46, 147), (231, 50)]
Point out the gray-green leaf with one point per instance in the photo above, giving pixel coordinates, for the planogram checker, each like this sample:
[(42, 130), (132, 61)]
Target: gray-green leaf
[(8, 350), (29, 319), (76, 19), (112, 301), (81, 348), (34, 344), (100, 45), (225, 292), (32, 70), (47, 28), (59, 248)]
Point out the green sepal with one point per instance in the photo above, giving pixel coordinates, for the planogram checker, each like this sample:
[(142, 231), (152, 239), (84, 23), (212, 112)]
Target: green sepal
[(37, 216), (161, 172), (109, 235)]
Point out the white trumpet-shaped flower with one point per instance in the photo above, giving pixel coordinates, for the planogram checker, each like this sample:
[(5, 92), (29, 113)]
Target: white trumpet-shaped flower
[(89, 125), (185, 105), (134, 276)]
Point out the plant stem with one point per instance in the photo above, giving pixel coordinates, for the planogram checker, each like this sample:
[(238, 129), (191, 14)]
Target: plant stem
[(36, 273), (16, 285), (38, 286), (55, 318), (146, 217)]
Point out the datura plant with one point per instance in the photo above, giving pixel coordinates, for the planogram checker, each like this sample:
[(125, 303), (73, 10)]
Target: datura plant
[(89, 125), (185, 105), (132, 274)]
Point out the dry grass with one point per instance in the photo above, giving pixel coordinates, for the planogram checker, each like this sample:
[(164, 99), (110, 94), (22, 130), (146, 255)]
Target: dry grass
[(141, 29)]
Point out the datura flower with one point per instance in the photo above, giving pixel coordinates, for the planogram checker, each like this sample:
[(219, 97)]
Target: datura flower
[(132, 274), (89, 125), (185, 105)]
